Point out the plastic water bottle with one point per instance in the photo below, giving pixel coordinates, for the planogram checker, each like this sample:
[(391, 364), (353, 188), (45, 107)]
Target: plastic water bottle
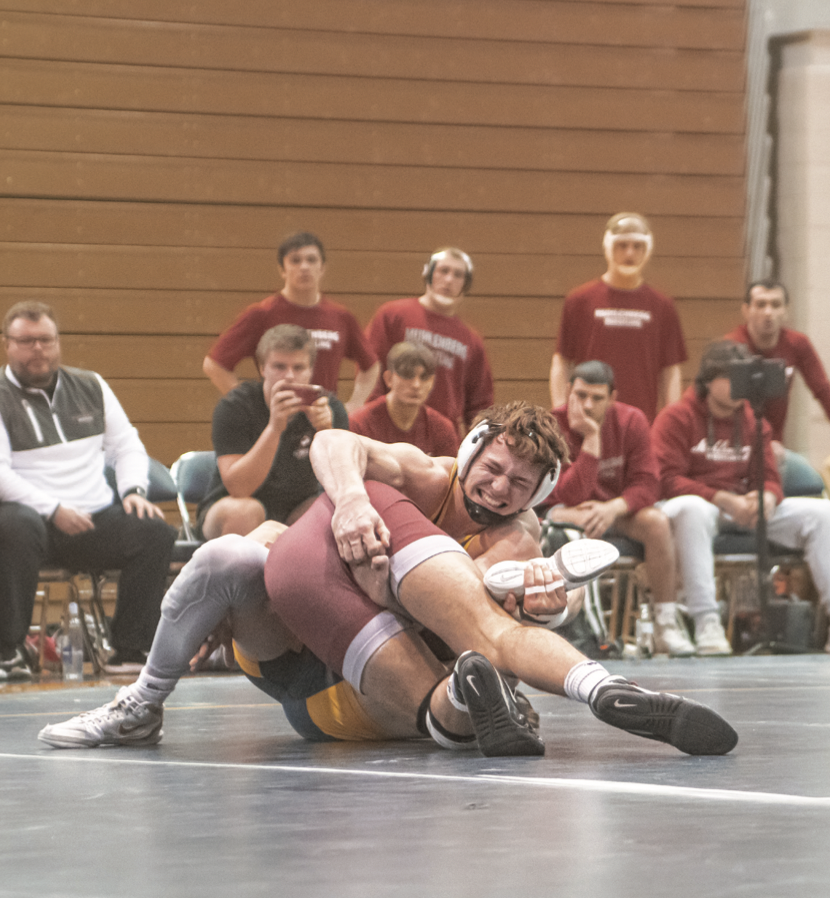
[(644, 632), (72, 646)]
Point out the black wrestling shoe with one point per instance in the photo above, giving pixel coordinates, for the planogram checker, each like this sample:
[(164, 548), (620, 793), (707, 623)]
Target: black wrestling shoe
[(687, 725), (501, 727)]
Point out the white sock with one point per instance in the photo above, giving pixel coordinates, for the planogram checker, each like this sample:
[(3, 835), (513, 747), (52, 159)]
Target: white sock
[(584, 678), (152, 689)]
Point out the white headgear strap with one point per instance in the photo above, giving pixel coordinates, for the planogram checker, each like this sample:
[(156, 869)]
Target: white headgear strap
[(609, 239), (429, 267), (470, 449)]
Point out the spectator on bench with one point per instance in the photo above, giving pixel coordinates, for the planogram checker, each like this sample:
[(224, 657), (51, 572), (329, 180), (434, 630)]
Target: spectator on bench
[(337, 334), (611, 484), (59, 426), (262, 431), (704, 445), (401, 416)]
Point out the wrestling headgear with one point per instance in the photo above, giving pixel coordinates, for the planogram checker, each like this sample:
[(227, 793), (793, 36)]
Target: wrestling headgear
[(627, 226), (471, 447)]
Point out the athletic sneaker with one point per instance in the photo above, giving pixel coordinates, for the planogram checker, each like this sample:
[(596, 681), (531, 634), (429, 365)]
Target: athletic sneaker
[(669, 638), (687, 725), (17, 666), (710, 637), (577, 563), (124, 721), (501, 727)]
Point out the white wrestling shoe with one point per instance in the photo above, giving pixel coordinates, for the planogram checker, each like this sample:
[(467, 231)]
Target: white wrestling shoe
[(576, 563), (124, 721)]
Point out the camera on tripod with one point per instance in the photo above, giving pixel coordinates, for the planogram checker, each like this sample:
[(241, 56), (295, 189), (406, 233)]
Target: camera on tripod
[(757, 379)]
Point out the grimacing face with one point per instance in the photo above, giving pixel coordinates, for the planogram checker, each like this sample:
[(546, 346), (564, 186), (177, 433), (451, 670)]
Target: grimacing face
[(501, 481), (33, 351)]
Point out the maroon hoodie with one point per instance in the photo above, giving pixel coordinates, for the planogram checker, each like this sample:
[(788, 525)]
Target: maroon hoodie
[(700, 454)]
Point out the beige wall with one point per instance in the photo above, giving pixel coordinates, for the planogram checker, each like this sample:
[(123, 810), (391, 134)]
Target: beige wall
[(803, 204), (154, 153)]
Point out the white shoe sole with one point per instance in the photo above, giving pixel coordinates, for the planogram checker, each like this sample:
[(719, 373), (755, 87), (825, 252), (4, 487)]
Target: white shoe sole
[(576, 563)]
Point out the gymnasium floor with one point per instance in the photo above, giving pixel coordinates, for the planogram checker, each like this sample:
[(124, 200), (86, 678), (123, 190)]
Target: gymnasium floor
[(233, 804)]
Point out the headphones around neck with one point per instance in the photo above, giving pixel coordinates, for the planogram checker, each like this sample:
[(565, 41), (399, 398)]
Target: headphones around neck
[(429, 267), (471, 447)]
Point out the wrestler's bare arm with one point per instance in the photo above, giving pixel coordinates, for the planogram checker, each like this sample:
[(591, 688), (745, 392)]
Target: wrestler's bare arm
[(342, 461)]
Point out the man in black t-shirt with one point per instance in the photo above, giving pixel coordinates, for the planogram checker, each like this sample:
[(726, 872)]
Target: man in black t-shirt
[(261, 435)]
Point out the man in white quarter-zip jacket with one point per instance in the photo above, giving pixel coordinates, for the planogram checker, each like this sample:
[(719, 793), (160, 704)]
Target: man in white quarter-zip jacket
[(59, 427)]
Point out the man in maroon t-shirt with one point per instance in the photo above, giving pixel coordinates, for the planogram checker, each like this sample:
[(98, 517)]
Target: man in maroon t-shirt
[(621, 320), (611, 485), (764, 311), (463, 381), (703, 444), (337, 334), (401, 416)]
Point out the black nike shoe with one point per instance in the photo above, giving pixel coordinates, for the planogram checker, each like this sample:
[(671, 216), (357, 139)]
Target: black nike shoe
[(501, 726), (687, 725)]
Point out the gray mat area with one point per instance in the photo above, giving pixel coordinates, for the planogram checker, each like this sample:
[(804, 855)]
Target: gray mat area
[(232, 803)]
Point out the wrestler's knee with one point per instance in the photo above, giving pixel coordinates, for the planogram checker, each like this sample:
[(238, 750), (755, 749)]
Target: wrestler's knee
[(225, 567)]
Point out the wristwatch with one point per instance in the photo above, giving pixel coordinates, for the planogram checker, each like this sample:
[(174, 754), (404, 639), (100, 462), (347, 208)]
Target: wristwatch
[(137, 490)]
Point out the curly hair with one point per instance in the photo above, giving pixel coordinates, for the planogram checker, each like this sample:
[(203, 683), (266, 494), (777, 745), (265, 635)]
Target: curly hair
[(531, 432)]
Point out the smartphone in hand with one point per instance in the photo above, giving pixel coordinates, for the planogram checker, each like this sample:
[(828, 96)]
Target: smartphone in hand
[(307, 393)]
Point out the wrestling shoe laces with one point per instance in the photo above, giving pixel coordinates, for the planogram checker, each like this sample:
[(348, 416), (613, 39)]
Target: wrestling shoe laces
[(687, 725), (502, 728), (124, 721), (577, 563)]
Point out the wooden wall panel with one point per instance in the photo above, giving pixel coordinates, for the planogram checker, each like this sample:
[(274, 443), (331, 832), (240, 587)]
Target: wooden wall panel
[(152, 155), (578, 21), (378, 230), (381, 143)]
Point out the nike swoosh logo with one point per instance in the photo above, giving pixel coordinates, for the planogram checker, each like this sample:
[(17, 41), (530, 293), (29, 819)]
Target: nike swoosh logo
[(471, 680), (619, 704)]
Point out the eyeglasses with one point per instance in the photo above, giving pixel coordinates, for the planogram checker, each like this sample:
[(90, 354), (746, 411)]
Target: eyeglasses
[(29, 342)]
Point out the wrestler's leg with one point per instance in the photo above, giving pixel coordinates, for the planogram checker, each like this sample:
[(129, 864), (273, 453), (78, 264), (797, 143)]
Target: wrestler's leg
[(317, 595), (447, 592), (225, 576)]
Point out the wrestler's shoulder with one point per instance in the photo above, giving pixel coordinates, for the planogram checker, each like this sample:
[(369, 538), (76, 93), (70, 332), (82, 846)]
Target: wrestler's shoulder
[(428, 483)]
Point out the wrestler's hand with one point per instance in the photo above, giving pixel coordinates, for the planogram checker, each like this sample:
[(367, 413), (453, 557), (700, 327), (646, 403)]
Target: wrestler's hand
[(359, 530), (221, 637), (544, 591), (319, 414), (71, 521), (372, 576)]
